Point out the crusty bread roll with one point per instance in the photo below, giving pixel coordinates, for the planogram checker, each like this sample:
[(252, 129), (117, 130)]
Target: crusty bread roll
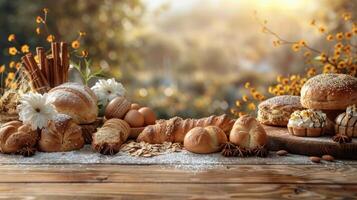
[(346, 123), (117, 108), (108, 139), (205, 139), (248, 133), (75, 100), (276, 111), (175, 129), (61, 134), (329, 92), (18, 138)]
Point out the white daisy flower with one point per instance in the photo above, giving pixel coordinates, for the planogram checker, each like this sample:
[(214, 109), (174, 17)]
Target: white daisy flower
[(35, 110), (107, 90)]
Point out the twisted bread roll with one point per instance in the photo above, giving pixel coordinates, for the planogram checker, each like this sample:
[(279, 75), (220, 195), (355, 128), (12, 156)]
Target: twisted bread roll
[(175, 129), (248, 133), (204, 139), (62, 134), (108, 139), (75, 100), (16, 137)]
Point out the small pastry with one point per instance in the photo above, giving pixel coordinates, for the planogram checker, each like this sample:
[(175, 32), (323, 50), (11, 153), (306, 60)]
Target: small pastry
[(117, 108), (108, 139), (346, 123), (62, 134), (75, 100), (149, 115), (248, 134), (330, 93), (205, 139), (134, 118), (307, 123), (276, 111), (18, 138)]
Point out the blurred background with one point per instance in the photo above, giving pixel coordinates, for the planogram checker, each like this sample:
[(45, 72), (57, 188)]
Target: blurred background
[(189, 58)]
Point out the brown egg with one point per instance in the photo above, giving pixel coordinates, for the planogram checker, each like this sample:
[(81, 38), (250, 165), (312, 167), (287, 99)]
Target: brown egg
[(149, 115), (135, 106), (134, 118)]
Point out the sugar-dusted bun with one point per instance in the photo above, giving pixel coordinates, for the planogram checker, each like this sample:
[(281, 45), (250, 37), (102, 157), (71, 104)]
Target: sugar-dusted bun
[(307, 123), (62, 134), (329, 92), (204, 139), (346, 123), (16, 137), (248, 133), (108, 139), (75, 100), (117, 108), (276, 111)]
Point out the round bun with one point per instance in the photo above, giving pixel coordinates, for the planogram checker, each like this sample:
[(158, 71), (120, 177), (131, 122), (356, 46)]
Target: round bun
[(75, 100), (204, 140), (117, 108), (248, 133), (329, 92), (276, 111), (149, 115), (134, 118), (62, 134)]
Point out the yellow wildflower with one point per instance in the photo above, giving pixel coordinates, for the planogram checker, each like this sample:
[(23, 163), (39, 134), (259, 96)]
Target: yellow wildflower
[(18, 65), (12, 64), (339, 36), (322, 29), (38, 31), (12, 51), (329, 37), (50, 38), (82, 33), (348, 35), (247, 85), (2, 68), (39, 20), (302, 43), (76, 44), (25, 48), (341, 65), (11, 37), (338, 45), (346, 16), (84, 53), (251, 106), (11, 75), (245, 98), (295, 47), (45, 10), (238, 103)]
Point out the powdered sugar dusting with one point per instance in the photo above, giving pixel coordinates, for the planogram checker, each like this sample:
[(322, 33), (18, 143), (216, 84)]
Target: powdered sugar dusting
[(333, 82), (282, 100), (74, 86)]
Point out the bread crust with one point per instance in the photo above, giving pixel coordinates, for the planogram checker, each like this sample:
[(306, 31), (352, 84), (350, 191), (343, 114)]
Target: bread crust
[(62, 134), (248, 133), (329, 92), (16, 137), (306, 132), (75, 100), (276, 111), (204, 140)]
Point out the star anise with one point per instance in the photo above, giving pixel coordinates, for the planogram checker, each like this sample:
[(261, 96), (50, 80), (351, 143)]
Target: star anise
[(261, 151), (229, 149), (26, 151), (342, 138), (241, 151)]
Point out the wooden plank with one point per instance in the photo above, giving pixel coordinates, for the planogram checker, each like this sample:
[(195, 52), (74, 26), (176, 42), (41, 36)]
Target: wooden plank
[(279, 174), (176, 191)]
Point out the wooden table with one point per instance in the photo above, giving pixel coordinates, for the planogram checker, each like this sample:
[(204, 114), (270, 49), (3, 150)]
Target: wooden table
[(315, 181)]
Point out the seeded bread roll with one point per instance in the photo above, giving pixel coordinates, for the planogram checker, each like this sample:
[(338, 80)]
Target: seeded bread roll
[(276, 111), (75, 100), (204, 139), (331, 93)]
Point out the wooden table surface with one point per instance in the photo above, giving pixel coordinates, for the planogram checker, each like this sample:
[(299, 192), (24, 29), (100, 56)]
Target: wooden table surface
[(317, 181)]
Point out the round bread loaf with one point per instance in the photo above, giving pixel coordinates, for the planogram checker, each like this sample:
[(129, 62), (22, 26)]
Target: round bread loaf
[(62, 134), (117, 108), (329, 92), (75, 100), (204, 139), (276, 111), (248, 133)]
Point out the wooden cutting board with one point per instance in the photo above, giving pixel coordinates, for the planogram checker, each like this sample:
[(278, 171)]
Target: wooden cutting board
[(279, 138)]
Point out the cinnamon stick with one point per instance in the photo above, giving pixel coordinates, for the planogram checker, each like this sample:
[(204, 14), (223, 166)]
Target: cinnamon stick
[(29, 72), (56, 63), (40, 78), (42, 58), (51, 71), (64, 61)]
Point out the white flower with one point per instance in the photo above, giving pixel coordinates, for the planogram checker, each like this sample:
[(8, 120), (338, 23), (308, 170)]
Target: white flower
[(107, 90), (35, 110)]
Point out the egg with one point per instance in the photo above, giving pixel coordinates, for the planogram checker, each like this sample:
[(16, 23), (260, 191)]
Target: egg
[(134, 118), (135, 106), (149, 115)]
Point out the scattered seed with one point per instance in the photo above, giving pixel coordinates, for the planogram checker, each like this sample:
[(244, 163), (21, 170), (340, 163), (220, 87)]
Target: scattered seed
[(282, 153), (315, 159), (328, 158)]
